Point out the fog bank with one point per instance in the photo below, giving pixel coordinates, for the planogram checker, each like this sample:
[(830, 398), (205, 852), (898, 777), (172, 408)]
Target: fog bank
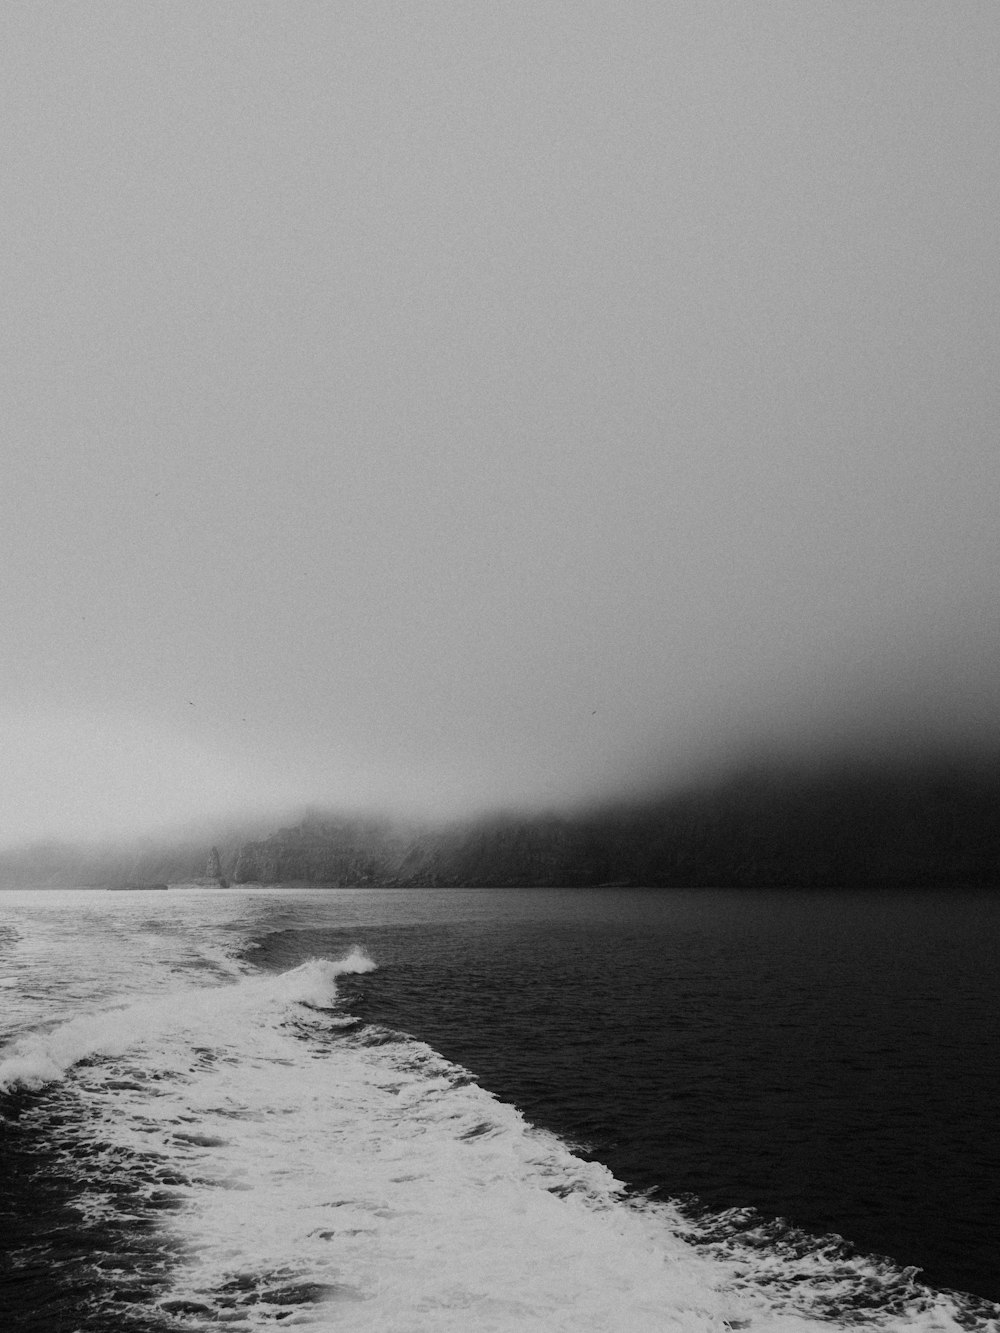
[(441, 408)]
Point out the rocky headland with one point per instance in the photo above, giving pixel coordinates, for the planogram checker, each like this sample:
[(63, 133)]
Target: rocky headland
[(930, 823)]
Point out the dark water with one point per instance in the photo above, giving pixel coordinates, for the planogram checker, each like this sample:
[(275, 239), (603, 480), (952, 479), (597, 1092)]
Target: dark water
[(827, 1058)]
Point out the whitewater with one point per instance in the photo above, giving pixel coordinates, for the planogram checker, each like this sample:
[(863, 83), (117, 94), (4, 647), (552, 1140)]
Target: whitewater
[(241, 1150)]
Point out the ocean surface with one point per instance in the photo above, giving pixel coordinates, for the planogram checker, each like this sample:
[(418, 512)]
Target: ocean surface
[(612, 1109)]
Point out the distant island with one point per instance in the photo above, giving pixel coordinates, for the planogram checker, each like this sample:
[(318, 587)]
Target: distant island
[(847, 824)]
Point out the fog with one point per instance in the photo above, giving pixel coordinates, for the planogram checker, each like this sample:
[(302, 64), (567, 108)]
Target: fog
[(444, 405)]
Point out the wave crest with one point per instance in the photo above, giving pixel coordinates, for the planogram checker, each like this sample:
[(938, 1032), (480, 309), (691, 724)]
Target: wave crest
[(44, 1057)]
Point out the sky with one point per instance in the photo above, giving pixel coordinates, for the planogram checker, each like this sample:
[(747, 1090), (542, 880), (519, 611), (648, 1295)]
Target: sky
[(443, 405)]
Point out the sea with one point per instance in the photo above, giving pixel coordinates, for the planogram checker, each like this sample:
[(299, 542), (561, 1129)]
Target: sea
[(519, 1109)]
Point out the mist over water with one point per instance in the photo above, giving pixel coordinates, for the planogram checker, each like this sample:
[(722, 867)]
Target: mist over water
[(438, 411)]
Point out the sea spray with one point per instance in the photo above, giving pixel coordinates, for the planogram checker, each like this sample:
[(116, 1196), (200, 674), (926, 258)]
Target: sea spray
[(314, 983)]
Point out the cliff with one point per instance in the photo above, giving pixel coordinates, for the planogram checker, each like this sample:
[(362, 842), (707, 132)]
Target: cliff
[(327, 851), (848, 825)]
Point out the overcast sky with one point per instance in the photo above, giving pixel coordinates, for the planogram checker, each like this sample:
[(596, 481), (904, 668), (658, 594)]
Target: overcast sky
[(448, 403)]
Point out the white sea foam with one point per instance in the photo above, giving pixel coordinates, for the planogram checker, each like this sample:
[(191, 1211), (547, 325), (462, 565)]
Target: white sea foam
[(41, 1058)]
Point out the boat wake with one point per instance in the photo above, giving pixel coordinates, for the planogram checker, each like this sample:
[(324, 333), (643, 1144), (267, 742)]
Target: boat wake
[(284, 1162)]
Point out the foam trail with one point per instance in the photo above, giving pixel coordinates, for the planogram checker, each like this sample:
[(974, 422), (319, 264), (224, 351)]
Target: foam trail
[(368, 1174), (376, 1179)]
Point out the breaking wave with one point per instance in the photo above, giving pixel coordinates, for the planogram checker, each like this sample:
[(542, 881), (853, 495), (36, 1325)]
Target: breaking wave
[(32, 1061)]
